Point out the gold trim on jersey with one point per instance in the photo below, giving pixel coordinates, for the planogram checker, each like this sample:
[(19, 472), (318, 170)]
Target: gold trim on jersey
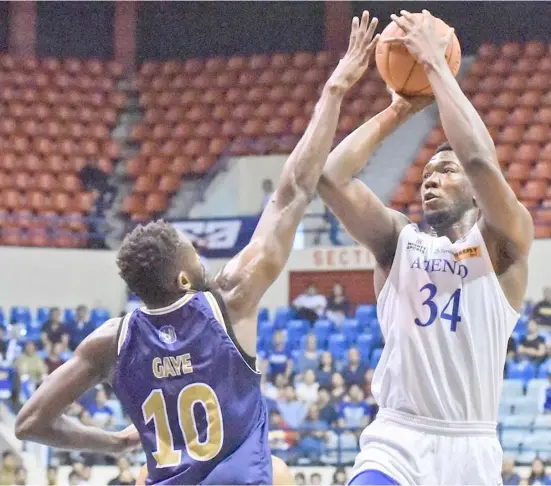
[(215, 309), (170, 308), (124, 331)]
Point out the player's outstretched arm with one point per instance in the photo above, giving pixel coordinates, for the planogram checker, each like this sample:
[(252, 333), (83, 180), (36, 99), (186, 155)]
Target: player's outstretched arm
[(245, 279), (362, 214), (42, 420), (467, 134)]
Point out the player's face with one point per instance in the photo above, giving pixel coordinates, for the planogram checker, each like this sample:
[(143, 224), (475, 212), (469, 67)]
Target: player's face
[(446, 191)]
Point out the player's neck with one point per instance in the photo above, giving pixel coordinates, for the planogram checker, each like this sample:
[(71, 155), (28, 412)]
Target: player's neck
[(460, 228), (167, 301)]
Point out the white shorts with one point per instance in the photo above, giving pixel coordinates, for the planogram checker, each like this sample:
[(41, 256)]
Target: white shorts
[(417, 450)]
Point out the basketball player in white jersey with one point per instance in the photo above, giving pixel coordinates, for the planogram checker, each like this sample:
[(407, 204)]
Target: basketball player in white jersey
[(447, 301)]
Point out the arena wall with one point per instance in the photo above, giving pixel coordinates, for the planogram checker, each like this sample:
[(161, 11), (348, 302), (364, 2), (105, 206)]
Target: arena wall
[(37, 277)]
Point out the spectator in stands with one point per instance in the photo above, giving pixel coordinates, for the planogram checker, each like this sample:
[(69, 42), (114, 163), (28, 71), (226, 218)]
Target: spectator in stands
[(326, 369), (300, 479), (337, 304), (292, 411), (29, 364), (511, 349), (547, 402), (279, 359), (339, 477), (334, 227), (354, 372), (310, 305), (267, 191), (508, 474), (309, 359), (80, 328), (312, 435), (315, 479), (327, 411), (368, 378), (354, 413), (74, 479), (307, 389), (53, 330), (13, 348), (101, 414), (125, 476), (276, 390), (7, 468), (537, 473), (51, 476), (532, 346), (53, 360), (338, 389), (3, 345), (280, 436), (542, 311), (20, 476)]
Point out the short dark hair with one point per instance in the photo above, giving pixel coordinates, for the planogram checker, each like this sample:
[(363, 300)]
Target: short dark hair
[(147, 260), (443, 147)]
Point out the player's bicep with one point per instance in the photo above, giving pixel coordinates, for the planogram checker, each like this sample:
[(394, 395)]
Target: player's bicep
[(501, 210), (364, 216), (85, 369)]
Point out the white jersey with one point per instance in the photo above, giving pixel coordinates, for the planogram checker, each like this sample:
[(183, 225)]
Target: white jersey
[(446, 324)]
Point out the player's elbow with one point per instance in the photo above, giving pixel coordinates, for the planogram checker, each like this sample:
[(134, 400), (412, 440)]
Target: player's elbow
[(27, 425)]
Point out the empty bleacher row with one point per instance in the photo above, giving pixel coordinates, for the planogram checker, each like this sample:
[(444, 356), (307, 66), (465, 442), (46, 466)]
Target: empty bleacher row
[(56, 116), (509, 86), (197, 110)]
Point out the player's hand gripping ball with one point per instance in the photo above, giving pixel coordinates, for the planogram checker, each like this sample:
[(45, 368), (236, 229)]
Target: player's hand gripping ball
[(408, 44)]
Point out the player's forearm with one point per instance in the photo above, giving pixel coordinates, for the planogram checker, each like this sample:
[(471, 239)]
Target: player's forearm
[(305, 164), (350, 156), (65, 433), (462, 125)]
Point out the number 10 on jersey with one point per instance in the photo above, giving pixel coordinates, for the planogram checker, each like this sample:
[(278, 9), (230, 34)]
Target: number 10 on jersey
[(450, 312)]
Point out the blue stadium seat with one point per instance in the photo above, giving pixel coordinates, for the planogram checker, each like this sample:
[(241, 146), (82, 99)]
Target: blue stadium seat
[(337, 346), (42, 315), (512, 388), (99, 315), (296, 328), (266, 329), (282, 316), (21, 315), (70, 315), (512, 439), (375, 357), (263, 314), (365, 345), (544, 368), (522, 370), (2, 318), (323, 328), (350, 328), (523, 422), (364, 313), (34, 329)]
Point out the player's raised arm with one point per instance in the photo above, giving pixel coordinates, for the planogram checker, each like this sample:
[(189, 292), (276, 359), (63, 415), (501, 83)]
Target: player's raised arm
[(467, 134), (42, 417), (244, 280), (363, 215)]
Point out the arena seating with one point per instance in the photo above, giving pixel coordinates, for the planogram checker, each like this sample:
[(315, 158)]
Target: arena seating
[(509, 86), (56, 116), (197, 110)]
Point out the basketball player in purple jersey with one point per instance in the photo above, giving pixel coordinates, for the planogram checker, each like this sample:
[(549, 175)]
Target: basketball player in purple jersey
[(183, 366)]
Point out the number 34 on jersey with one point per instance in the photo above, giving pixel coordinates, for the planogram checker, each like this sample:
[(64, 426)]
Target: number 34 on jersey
[(450, 312)]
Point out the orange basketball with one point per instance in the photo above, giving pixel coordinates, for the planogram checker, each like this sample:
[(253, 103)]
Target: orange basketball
[(400, 71)]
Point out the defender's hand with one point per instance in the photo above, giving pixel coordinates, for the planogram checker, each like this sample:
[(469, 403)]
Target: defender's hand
[(129, 438), (422, 40), (410, 104), (356, 60)]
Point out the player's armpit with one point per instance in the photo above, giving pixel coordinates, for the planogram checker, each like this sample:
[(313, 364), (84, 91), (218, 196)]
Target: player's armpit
[(364, 217), (41, 419)]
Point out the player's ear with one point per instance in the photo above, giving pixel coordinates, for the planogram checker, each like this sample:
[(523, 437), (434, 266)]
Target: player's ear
[(183, 281)]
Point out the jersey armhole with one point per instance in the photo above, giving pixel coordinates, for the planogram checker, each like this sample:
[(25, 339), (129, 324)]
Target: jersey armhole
[(226, 323), (122, 331)]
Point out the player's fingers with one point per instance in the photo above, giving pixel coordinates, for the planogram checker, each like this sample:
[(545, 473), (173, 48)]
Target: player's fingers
[(400, 22), (428, 18), (393, 40), (364, 23), (372, 45), (371, 30), (353, 33)]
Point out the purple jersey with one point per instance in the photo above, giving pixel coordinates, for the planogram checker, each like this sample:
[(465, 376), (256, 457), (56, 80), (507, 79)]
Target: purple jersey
[(193, 397)]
